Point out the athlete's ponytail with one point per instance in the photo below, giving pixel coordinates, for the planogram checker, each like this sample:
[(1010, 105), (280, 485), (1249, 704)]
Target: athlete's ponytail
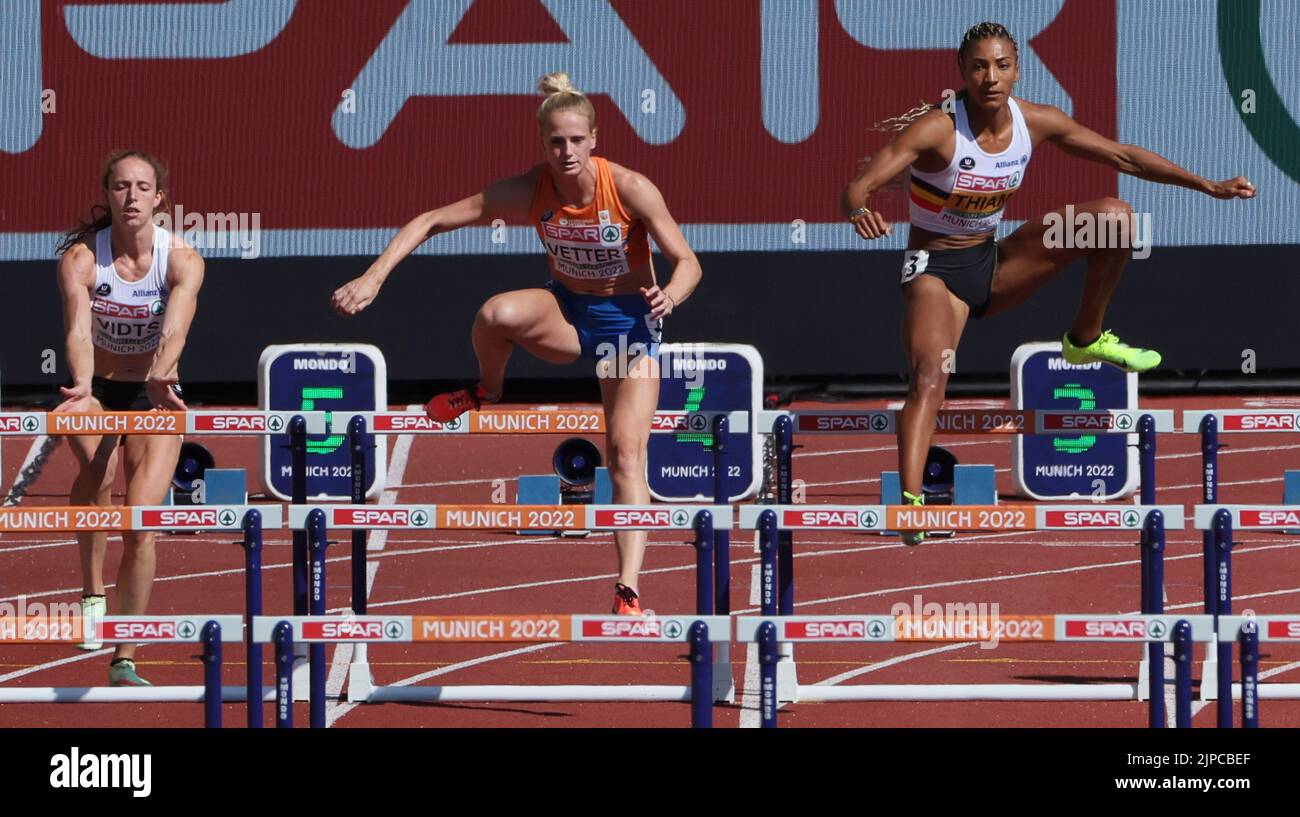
[(100, 216)]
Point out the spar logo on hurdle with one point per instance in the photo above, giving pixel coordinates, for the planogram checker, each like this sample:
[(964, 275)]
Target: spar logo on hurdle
[(1137, 629), (353, 630), (641, 518), (188, 518), (234, 421), (825, 518), (1262, 421), (380, 517), (1100, 518), (1268, 518)]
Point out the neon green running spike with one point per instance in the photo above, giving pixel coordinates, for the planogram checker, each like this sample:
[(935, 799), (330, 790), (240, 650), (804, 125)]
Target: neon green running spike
[(1110, 349), (913, 537)]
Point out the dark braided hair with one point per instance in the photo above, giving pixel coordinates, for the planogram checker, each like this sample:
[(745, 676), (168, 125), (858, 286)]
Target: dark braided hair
[(974, 34)]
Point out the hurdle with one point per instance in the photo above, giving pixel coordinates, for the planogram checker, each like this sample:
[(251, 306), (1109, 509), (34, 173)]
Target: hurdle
[(547, 421), (697, 631), (1249, 631), (1218, 522), (1182, 631), (777, 580), (209, 630), (1144, 424), (317, 520), (250, 520)]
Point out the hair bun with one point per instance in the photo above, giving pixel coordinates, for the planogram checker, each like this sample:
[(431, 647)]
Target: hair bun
[(556, 83)]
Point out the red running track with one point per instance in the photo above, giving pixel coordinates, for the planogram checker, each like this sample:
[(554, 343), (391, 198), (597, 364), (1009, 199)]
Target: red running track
[(458, 572)]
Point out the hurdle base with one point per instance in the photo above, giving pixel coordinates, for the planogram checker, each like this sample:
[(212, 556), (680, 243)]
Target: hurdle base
[(787, 681), (360, 681), (724, 681), (301, 673), (1210, 671)]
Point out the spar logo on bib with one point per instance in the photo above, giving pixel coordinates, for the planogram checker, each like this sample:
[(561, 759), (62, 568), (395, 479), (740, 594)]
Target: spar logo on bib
[(157, 308)]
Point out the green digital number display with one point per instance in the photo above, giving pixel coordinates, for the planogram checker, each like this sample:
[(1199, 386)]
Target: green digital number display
[(310, 394), (1087, 402)]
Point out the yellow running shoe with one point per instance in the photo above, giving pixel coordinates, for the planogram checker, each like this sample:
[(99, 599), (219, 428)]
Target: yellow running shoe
[(913, 537), (1110, 349)]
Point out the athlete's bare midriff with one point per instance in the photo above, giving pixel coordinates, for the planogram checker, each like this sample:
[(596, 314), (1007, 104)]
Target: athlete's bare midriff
[(922, 239), (125, 368)]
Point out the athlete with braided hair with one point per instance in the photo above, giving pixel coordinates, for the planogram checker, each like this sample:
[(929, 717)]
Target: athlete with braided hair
[(963, 168)]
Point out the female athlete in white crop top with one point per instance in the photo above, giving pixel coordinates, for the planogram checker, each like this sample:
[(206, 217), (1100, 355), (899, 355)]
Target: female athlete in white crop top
[(964, 167), (129, 292)]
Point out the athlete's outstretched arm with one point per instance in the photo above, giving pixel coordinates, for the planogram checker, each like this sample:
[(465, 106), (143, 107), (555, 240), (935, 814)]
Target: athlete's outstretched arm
[(185, 274), (506, 199), (76, 276), (1055, 126), (645, 202), (926, 133)]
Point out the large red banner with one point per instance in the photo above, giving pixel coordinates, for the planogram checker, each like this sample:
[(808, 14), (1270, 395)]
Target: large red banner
[(267, 132)]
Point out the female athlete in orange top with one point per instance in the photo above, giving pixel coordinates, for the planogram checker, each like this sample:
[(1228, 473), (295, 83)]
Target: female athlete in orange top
[(594, 218)]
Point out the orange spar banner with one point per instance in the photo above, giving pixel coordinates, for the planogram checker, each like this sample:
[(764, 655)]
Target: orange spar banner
[(955, 625), (65, 518), (538, 421), (39, 629), (960, 517), (510, 517), (984, 421), (91, 423), (460, 629)]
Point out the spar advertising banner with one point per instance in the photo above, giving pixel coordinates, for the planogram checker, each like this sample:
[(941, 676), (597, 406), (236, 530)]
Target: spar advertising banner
[(316, 128)]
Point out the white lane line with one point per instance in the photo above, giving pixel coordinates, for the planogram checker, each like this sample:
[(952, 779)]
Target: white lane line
[(375, 543), (51, 664), (4, 550), (344, 708), (448, 483), (13, 496), (891, 662), (750, 715)]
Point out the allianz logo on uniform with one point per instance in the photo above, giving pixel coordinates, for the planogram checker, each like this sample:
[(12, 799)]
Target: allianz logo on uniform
[(1012, 163), (90, 771)]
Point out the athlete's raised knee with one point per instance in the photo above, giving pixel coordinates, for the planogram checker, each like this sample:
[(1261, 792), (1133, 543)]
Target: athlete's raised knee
[(502, 312)]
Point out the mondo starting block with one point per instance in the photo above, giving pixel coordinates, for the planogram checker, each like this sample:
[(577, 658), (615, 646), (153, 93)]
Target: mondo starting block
[(209, 630), (697, 631), (1182, 631)]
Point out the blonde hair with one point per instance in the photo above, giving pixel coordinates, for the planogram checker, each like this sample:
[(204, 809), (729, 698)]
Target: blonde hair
[(562, 96)]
